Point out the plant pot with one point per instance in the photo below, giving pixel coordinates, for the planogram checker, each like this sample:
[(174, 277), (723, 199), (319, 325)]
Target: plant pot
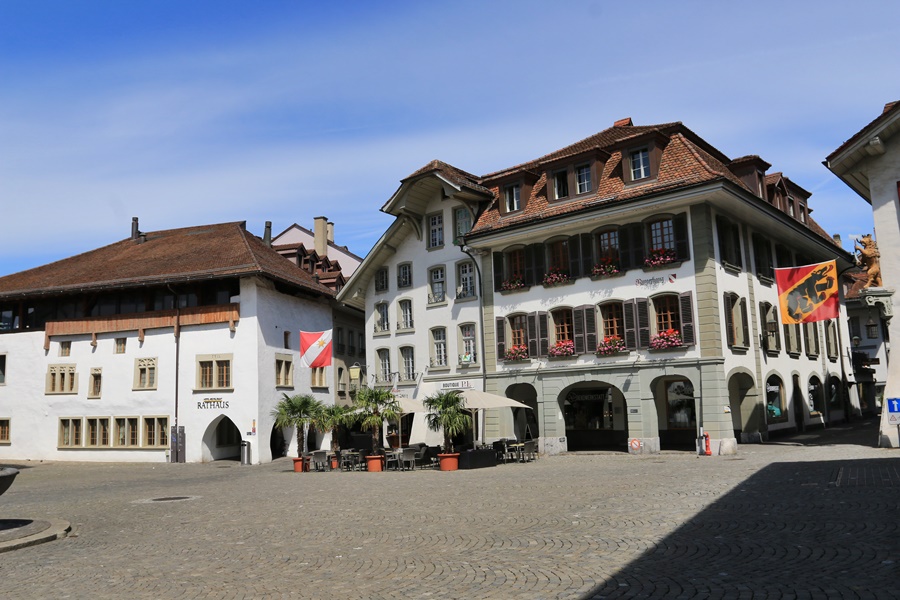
[(375, 463), (334, 464), (300, 464), (449, 462)]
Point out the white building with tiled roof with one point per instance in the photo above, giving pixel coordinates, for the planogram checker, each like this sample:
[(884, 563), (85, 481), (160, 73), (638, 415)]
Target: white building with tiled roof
[(628, 293), (103, 353)]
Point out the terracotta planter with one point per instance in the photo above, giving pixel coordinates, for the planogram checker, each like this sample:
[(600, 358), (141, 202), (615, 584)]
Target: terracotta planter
[(334, 464), (300, 465), (449, 462), (375, 463)]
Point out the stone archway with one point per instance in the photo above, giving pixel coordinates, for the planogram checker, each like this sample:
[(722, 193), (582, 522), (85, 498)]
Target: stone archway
[(747, 417), (595, 416), (221, 440), (278, 445), (526, 423), (676, 412)]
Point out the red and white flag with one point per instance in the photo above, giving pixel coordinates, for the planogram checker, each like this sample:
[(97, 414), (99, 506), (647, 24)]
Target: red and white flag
[(315, 348)]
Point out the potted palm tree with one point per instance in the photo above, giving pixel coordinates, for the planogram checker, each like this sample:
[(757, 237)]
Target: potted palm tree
[(297, 411), (329, 419), (447, 413), (372, 407)]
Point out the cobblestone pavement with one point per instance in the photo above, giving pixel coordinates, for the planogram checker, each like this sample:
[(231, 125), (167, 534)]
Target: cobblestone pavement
[(805, 517)]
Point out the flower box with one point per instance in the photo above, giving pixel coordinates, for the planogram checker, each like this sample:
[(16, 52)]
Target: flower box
[(659, 257), (611, 344), (556, 276), (563, 349), (605, 268), (513, 284), (516, 353), (666, 340)]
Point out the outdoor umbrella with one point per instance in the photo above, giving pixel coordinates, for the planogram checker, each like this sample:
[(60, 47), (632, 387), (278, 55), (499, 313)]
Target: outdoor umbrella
[(477, 400)]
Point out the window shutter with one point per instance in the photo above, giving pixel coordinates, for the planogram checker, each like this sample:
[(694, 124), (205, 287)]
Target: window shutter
[(528, 275), (590, 327), (624, 236), (763, 323), (538, 262), (498, 270), (628, 318), (687, 319), (501, 337), (777, 332), (682, 242), (722, 237), (587, 254), (745, 325), (574, 246), (531, 323), (542, 333), (637, 244), (643, 322), (578, 329), (728, 303)]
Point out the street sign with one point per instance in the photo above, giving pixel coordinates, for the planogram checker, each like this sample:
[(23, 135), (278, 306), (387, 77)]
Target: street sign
[(893, 405)]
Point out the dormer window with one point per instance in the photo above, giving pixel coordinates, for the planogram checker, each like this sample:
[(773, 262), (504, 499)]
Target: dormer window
[(790, 205), (802, 214), (512, 195), (640, 164), (583, 178), (560, 184)]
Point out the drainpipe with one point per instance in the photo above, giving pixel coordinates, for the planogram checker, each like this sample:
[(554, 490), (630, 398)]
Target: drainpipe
[(462, 247), (177, 363)]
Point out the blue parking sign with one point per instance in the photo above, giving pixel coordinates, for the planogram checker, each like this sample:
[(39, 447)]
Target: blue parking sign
[(893, 405)]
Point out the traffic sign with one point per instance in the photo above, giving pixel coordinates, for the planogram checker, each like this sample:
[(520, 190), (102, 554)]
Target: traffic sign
[(893, 405)]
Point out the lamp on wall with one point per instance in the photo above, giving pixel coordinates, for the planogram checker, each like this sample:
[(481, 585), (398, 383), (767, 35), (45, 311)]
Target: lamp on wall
[(855, 341), (354, 370)]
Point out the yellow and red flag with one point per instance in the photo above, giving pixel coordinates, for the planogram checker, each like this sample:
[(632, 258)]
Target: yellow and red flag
[(808, 293)]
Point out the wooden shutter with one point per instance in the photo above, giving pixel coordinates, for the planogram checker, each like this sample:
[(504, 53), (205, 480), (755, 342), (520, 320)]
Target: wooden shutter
[(590, 327), (682, 242), (745, 325), (630, 331), (528, 275), (643, 322), (687, 319), (542, 333), (624, 237), (574, 247), (636, 249), (578, 329), (728, 303), (498, 270), (777, 332), (787, 339), (500, 332), (531, 322), (763, 316), (538, 263), (587, 254)]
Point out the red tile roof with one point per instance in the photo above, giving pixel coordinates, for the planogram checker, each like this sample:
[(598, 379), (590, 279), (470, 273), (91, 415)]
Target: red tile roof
[(169, 256), (451, 173)]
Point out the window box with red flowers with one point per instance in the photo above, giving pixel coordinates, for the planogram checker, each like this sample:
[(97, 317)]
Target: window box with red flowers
[(611, 344), (562, 349), (516, 354), (659, 257), (666, 340), (514, 284), (607, 267), (556, 276)]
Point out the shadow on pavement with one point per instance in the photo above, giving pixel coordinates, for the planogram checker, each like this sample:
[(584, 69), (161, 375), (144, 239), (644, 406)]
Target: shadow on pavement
[(819, 529), (863, 432)]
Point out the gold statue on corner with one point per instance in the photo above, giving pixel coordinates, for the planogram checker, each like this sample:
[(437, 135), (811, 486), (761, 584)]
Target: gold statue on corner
[(867, 258)]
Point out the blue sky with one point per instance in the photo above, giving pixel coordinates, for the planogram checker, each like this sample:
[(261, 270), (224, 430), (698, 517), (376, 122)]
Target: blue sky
[(185, 113)]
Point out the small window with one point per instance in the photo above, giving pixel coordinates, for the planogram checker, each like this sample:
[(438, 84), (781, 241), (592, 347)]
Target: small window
[(405, 320), (145, 373), (462, 223), (465, 280), (439, 347), (362, 344), (384, 366), (437, 279), (317, 377), (214, 372), (4, 431), (62, 379), (339, 345), (382, 321), (662, 234), (284, 370), (467, 355), (518, 332), (126, 432), (156, 432), (511, 194), (408, 360), (583, 179), (70, 432), (120, 345), (831, 345), (558, 256), (436, 230), (287, 340), (97, 432), (562, 325), (612, 320), (640, 164), (560, 184), (65, 348), (96, 383), (381, 280), (404, 275), (666, 310)]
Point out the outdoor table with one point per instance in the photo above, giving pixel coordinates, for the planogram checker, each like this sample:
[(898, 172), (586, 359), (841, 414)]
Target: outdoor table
[(517, 448)]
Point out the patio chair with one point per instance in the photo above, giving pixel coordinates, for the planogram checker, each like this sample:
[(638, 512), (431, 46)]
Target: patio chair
[(391, 459), (421, 452), (408, 459), (500, 449), (320, 460), (528, 452), (348, 459)]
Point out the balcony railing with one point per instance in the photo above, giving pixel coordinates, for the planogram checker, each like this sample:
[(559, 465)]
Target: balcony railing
[(436, 298), (407, 324), (465, 292), (382, 327), (438, 362)]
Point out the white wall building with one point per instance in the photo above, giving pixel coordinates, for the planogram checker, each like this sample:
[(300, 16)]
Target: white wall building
[(103, 353)]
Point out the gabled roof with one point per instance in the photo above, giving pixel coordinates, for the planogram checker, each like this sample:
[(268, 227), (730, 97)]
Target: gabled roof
[(891, 110), (774, 178), (168, 256), (455, 178)]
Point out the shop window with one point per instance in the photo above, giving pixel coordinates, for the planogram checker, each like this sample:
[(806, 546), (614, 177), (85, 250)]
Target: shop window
[(776, 409), (680, 405)]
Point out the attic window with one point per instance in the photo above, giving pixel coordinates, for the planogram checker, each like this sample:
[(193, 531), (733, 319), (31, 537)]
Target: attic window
[(583, 179), (802, 214), (560, 184), (512, 195), (640, 164)]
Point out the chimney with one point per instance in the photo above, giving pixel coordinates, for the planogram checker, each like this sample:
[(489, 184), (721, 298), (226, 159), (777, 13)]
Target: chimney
[(626, 122), (837, 239), (267, 236), (320, 235), (330, 230), (134, 228)]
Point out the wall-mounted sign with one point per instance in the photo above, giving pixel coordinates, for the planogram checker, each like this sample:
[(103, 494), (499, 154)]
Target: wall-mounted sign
[(656, 281), (634, 411), (456, 385), (213, 403)]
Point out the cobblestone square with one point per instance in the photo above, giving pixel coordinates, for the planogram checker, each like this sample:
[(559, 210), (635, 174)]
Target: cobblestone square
[(797, 519)]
